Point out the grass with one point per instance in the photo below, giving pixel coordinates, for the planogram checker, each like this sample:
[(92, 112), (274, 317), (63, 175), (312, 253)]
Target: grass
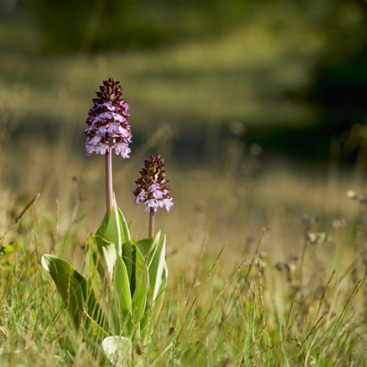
[(290, 295), (287, 290), (289, 287)]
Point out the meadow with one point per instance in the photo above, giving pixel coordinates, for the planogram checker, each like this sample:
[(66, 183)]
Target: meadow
[(266, 255), (267, 262)]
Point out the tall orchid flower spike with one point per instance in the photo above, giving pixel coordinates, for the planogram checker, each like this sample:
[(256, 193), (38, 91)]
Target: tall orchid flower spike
[(108, 129), (152, 189), (107, 121)]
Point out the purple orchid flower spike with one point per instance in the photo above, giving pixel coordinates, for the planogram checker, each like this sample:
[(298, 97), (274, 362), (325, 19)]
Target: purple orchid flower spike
[(152, 189), (108, 130), (107, 121)]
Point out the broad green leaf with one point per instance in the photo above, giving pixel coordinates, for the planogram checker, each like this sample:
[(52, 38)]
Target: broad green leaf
[(121, 284), (118, 350), (144, 246), (121, 298), (144, 324), (102, 249), (157, 267), (148, 247), (102, 258), (114, 229), (125, 234), (158, 301), (109, 274), (152, 311), (102, 228), (75, 291), (141, 287), (127, 256), (157, 283)]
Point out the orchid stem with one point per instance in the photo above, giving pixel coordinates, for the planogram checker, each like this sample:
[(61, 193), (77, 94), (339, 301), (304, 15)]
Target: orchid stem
[(109, 186), (151, 223)]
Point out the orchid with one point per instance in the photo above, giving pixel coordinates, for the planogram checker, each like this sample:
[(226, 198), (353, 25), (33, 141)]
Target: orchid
[(118, 297), (107, 121), (152, 189)]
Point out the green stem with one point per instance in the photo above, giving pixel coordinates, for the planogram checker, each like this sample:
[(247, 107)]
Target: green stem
[(151, 223), (109, 186)]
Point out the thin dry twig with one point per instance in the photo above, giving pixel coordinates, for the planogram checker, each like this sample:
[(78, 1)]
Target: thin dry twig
[(28, 207)]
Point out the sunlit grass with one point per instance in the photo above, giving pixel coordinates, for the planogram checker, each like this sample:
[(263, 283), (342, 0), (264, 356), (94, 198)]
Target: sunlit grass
[(287, 290), (274, 296), (253, 310)]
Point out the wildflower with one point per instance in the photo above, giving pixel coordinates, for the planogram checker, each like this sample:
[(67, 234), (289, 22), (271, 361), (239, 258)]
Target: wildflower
[(107, 122), (152, 189)]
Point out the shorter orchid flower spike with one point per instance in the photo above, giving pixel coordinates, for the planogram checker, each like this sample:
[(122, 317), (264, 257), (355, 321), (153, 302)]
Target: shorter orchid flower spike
[(107, 121), (152, 189)]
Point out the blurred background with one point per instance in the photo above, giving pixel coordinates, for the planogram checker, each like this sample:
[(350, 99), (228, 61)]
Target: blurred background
[(258, 108)]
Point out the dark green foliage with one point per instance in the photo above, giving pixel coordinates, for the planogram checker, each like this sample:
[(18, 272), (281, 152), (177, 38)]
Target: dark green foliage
[(119, 25)]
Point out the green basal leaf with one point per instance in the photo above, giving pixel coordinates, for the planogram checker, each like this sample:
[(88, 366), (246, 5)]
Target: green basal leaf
[(102, 249), (141, 287), (118, 350), (75, 291), (144, 324), (158, 302), (157, 283), (144, 246), (127, 256), (121, 299), (125, 234), (157, 267), (102, 228), (114, 229), (148, 247), (153, 309), (110, 278), (101, 265)]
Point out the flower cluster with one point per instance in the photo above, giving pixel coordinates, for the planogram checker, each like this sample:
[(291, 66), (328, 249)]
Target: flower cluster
[(107, 122), (152, 189)]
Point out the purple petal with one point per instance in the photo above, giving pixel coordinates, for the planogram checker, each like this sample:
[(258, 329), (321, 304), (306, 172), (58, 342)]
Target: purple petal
[(123, 150)]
